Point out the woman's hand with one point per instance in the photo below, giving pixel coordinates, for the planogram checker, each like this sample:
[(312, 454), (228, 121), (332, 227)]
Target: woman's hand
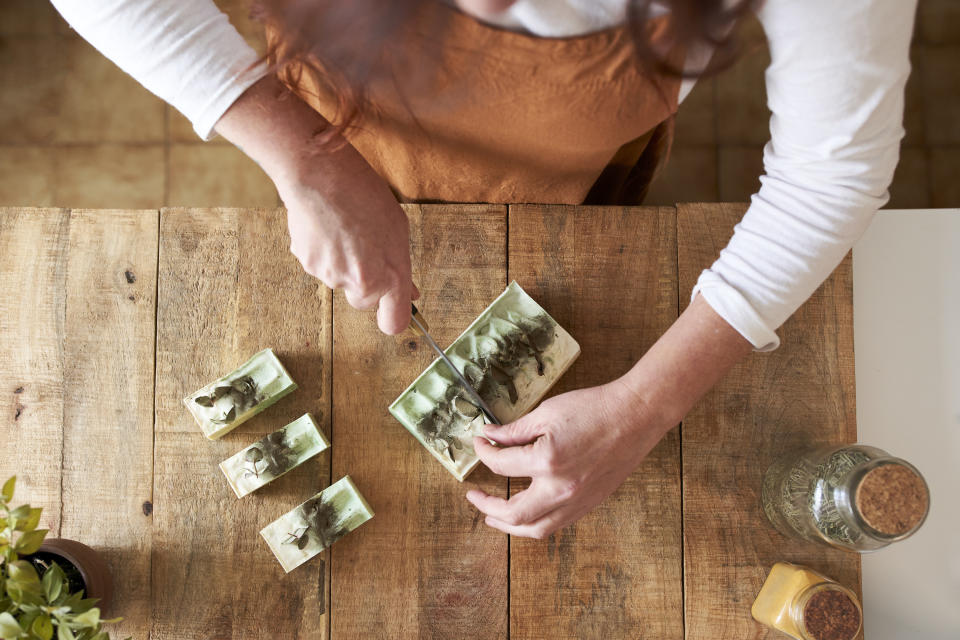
[(578, 447), (346, 227)]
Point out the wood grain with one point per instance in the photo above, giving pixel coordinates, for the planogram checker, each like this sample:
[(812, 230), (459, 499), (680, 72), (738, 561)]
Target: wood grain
[(108, 351), (79, 360), (609, 276), (77, 349), (33, 272), (800, 394), (228, 288), (425, 566)]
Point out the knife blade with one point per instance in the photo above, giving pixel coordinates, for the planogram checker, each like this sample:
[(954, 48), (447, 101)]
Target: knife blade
[(420, 327)]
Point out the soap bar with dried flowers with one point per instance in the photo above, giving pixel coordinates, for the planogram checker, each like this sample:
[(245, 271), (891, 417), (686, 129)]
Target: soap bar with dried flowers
[(299, 535), (228, 402), (271, 457), (512, 354)]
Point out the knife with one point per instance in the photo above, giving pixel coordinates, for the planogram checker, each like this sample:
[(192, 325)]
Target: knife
[(419, 326)]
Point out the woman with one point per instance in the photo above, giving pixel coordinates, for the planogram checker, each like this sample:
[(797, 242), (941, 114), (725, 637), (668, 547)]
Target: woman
[(542, 101)]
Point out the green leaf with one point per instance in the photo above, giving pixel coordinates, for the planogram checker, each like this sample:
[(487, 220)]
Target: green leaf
[(31, 521), (8, 486), (30, 542), (23, 573), (53, 581), (64, 633), (42, 627), (14, 592), (21, 512), (88, 620), (32, 599), (85, 605), (72, 601), (9, 627)]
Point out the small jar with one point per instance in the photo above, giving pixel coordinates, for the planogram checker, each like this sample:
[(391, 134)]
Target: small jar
[(806, 605), (851, 497)]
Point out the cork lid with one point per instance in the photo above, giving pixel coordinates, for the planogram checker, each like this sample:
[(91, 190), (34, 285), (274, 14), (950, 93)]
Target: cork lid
[(892, 499), (831, 614)]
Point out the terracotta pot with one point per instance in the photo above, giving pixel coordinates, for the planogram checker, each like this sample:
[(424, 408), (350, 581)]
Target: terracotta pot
[(93, 569)]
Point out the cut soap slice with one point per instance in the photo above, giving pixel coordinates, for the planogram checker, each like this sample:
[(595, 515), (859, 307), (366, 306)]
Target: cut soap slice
[(298, 535), (271, 457), (228, 402), (512, 354)]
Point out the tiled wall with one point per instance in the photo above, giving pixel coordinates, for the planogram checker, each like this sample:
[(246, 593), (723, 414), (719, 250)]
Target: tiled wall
[(76, 131)]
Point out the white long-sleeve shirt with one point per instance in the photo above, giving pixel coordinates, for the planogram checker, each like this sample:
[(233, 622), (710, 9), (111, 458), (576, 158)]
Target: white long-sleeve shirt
[(835, 88)]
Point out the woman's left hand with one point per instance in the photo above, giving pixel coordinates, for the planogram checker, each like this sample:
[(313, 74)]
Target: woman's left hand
[(577, 447)]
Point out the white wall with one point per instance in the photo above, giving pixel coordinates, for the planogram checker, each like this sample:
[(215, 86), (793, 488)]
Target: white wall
[(906, 302)]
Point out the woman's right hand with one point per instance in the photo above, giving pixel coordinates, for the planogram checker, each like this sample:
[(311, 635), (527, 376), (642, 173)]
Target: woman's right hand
[(346, 227)]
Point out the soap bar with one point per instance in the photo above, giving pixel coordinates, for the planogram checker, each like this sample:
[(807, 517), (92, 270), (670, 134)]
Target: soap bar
[(512, 354), (226, 403), (297, 536), (271, 457)]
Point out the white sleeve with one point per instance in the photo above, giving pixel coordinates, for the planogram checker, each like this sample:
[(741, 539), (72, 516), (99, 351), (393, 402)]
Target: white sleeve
[(184, 51), (835, 86)]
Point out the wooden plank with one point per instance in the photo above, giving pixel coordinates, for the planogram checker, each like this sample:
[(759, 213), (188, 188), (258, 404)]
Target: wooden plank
[(108, 352), (33, 271), (425, 566), (609, 275), (770, 403), (229, 287)]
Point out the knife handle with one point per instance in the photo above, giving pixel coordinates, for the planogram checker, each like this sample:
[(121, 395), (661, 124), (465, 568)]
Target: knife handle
[(414, 312)]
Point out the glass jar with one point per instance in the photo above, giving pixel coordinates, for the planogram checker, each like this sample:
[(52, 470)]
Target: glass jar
[(851, 497), (806, 605)]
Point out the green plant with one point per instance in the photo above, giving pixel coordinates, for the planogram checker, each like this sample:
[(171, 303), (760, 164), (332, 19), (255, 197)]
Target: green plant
[(38, 606)]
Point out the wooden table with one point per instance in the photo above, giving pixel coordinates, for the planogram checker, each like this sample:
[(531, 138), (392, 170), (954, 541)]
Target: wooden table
[(110, 317)]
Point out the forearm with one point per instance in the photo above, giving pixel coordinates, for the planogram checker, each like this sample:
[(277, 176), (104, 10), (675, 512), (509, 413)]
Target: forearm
[(275, 128), (695, 352)]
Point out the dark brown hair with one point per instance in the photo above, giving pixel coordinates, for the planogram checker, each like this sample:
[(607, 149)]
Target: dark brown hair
[(342, 43)]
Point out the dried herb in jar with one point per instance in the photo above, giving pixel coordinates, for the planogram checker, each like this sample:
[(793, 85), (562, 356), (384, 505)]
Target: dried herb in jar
[(852, 497)]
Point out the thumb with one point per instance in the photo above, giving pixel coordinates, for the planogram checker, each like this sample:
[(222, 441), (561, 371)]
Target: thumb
[(393, 314), (521, 431)]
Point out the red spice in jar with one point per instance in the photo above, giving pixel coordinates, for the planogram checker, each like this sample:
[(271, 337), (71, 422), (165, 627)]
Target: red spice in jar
[(830, 614)]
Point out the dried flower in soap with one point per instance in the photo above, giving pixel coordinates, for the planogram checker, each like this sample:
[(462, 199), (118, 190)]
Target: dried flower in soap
[(253, 456), (279, 455), (504, 347), (236, 396), (300, 537), (321, 520), (272, 456)]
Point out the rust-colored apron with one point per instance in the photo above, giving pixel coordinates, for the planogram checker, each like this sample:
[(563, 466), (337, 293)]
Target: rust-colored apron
[(505, 117)]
